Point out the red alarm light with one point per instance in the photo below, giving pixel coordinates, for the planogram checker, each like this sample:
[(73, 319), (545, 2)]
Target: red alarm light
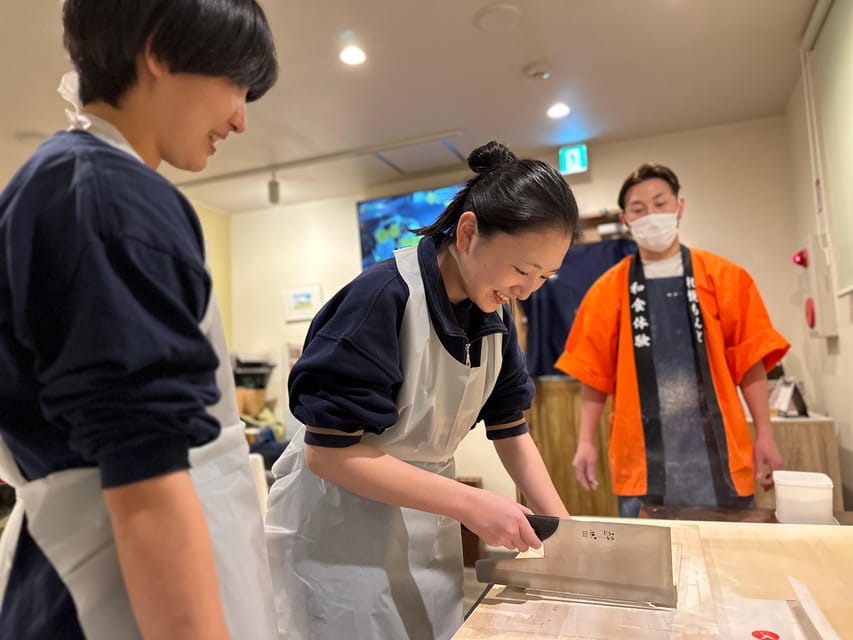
[(801, 258), (810, 313)]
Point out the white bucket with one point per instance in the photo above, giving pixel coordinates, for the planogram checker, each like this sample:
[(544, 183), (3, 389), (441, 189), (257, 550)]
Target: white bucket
[(803, 497)]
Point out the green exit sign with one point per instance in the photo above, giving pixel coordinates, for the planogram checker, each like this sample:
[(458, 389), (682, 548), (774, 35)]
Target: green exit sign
[(573, 159)]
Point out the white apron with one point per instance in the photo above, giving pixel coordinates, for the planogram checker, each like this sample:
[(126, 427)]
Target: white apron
[(348, 567), (67, 518)]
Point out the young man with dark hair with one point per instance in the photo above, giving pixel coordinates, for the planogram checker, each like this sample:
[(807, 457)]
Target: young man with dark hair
[(671, 333), (136, 512)]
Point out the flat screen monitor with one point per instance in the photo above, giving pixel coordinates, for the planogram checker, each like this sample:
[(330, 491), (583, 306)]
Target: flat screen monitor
[(385, 223)]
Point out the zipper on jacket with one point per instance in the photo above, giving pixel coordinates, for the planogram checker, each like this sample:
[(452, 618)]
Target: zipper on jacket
[(467, 354)]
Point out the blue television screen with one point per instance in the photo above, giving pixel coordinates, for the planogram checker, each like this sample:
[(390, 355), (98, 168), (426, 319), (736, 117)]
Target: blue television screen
[(385, 223)]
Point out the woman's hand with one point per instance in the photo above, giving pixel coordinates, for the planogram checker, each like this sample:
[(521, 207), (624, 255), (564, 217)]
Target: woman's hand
[(499, 521)]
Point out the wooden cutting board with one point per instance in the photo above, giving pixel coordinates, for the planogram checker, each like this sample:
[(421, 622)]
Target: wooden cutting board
[(731, 577)]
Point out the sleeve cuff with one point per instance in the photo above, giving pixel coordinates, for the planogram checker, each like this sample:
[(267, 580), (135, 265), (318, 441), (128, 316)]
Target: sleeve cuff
[(509, 430), (570, 365), (326, 437), (153, 459), (767, 347)]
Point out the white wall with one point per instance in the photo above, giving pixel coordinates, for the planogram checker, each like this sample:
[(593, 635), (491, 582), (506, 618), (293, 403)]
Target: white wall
[(736, 185), (828, 361), (738, 203), (832, 70), (315, 242)]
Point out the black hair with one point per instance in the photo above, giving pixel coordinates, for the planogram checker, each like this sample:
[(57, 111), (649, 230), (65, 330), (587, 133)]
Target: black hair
[(648, 171), (222, 38), (508, 195)]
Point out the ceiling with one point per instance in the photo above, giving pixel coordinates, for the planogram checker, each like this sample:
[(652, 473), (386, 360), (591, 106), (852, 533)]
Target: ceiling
[(436, 84)]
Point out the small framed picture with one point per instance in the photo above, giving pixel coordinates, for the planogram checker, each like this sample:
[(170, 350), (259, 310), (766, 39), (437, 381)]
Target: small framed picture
[(302, 302)]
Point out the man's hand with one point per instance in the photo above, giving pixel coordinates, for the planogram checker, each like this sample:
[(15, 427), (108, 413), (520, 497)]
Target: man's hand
[(766, 453), (584, 463)]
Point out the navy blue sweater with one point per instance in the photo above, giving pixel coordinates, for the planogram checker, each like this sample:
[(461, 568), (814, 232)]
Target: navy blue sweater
[(102, 362), (350, 370)]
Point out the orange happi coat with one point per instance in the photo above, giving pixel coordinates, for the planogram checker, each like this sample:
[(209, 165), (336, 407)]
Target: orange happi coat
[(599, 352)]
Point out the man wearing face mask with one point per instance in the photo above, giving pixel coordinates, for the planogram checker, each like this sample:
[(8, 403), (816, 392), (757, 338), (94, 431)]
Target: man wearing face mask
[(671, 333)]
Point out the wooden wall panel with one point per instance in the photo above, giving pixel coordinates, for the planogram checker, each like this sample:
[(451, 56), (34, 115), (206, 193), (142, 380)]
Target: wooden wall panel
[(554, 420), (806, 444)]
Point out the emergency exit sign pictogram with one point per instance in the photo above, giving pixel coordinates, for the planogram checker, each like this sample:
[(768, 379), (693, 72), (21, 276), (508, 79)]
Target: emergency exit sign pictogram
[(573, 159)]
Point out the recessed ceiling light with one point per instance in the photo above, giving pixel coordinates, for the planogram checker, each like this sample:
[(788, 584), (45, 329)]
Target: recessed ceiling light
[(558, 110), (353, 55), (498, 18), (28, 136)]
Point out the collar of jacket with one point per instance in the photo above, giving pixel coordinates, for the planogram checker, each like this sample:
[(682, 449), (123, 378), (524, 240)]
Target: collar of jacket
[(441, 310)]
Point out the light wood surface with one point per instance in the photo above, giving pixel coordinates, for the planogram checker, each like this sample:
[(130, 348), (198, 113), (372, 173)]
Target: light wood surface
[(732, 580), (719, 514), (806, 444)]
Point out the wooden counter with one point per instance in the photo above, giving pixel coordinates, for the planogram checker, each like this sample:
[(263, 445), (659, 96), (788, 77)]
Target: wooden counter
[(718, 514), (732, 581), (806, 444)]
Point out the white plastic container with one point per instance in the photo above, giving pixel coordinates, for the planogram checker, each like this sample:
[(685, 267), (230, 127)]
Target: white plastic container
[(803, 497)]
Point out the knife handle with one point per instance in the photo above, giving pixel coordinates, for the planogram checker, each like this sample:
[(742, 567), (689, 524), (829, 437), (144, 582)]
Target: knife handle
[(543, 526), (485, 568)]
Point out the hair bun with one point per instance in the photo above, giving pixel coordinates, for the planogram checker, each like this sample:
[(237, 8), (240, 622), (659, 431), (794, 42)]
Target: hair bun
[(489, 157)]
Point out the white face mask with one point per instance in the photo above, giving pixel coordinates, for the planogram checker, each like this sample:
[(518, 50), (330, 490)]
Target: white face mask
[(655, 231)]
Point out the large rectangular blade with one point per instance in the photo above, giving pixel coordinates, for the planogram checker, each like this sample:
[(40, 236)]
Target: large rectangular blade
[(610, 561)]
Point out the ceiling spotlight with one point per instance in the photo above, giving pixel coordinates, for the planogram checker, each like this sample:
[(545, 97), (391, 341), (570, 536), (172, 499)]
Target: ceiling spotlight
[(273, 190), (558, 110), (353, 55), (538, 70)]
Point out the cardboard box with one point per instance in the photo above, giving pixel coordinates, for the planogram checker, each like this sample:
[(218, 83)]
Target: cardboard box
[(250, 402)]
